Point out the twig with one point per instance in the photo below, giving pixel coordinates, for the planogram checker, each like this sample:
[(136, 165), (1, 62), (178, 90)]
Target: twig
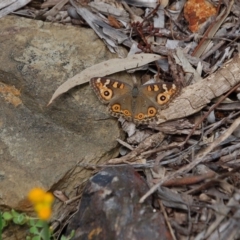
[(167, 219), (224, 211), (218, 45), (149, 142), (126, 145), (198, 159), (219, 123), (209, 111), (212, 182), (73, 199), (189, 180)]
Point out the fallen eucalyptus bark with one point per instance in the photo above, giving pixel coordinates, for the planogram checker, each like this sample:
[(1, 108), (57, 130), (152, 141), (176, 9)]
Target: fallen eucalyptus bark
[(194, 97)]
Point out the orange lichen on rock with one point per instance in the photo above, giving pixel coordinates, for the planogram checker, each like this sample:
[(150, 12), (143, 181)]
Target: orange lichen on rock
[(197, 12), (10, 94)]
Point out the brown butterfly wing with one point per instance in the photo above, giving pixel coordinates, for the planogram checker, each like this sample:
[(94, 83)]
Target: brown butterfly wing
[(139, 105), (152, 98), (160, 93), (115, 93)]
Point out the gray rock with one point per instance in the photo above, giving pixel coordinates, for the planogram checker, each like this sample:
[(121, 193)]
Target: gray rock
[(40, 146)]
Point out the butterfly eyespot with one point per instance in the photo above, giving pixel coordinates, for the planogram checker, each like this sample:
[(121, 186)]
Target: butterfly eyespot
[(116, 108), (162, 99), (152, 111), (140, 116), (107, 93), (126, 113)]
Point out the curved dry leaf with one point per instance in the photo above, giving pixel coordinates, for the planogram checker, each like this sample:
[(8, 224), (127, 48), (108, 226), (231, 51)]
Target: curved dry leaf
[(105, 68)]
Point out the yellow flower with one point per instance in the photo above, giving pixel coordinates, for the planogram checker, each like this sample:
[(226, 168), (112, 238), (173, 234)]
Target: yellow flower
[(42, 202), (45, 213), (36, 195), (48, 197)]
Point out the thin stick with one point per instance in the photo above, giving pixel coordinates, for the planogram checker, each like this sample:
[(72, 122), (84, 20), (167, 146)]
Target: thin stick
[(209, 111), (167, 220), (199, 158)]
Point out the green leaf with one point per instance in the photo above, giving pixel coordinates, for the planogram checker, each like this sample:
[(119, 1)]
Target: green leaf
[(32, 222), (72, 234), (7, 216), (35, 223), (45, 233), (39, 223), (4, 223), (36, 238), (34, 230), (20, 219), (1, 225), (14, 213), (68, 237)]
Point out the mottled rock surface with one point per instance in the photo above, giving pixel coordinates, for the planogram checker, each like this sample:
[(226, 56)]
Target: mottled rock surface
[(39, 145)]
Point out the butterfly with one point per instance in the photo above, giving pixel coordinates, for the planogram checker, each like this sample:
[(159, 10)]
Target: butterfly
[(139, 104)]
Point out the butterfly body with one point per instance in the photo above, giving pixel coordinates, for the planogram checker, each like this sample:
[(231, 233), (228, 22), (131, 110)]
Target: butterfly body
[(139, 104)]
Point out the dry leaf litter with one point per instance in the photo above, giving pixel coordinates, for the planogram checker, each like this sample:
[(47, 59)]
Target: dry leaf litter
[(191, 163)]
